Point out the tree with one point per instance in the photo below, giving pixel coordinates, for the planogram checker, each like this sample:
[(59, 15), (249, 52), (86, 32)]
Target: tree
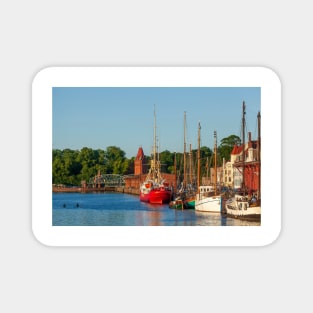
[(167, 161), (73, 166), (226, 146), (116, 162)]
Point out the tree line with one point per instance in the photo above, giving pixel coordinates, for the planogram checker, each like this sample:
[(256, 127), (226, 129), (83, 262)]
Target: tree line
[(70, 167)]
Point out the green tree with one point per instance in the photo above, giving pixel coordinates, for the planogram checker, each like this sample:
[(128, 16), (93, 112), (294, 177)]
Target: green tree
[(116, 162), (167, 161), (226, 146)]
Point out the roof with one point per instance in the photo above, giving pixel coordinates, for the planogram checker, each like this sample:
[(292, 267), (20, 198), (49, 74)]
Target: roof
[(238, 149), (140, 154)]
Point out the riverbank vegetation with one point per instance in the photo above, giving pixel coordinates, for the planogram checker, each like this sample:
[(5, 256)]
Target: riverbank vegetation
[(70, 167)]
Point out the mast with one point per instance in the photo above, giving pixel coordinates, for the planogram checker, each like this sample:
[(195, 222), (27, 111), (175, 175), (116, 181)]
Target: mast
[(259, 152), (175, 173), (198, 157), (154, 142), (215, 162), (243, 145), (190, 165), (154, 165), (185, 162)]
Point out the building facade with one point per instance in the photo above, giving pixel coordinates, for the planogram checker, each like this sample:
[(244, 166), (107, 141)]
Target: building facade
[(246, 174)]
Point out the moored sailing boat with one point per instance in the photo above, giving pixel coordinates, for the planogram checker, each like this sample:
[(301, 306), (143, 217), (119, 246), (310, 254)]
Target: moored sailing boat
[(207, 198), (154, 189), (247, 206), (185, 196), (177, 202)]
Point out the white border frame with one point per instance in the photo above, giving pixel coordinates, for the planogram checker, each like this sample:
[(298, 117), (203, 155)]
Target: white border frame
[(155, 77)]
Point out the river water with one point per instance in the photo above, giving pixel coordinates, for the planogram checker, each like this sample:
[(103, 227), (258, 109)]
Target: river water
[(117, 209)]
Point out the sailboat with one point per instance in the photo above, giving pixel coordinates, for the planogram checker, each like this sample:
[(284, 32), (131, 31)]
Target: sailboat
[(207, 199), (191, 190), (247, 206), (185, 196), (154, 189), (177, 202)]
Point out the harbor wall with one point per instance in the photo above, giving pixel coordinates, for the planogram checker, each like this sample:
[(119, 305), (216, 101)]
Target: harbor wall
[(132, 185)]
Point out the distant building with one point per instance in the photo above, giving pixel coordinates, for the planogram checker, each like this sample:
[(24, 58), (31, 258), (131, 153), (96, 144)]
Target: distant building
[(140, 172), (252, 165), (228, 174), (140, 166), (219, 178)]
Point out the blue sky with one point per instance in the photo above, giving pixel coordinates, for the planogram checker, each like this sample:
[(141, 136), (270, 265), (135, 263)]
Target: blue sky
[(124, 117)]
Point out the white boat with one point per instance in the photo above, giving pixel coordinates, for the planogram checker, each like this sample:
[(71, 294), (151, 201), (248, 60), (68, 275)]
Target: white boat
[(244, 206), (206, 203), (207, 199)]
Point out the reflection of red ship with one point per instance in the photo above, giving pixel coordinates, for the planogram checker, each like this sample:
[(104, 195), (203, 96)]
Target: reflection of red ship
[(154, 189)]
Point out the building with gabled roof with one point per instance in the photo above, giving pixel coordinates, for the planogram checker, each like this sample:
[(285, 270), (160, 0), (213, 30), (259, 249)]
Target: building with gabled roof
[(251, 166)]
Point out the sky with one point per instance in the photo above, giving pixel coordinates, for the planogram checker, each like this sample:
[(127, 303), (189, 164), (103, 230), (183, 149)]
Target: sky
[(100, 117)]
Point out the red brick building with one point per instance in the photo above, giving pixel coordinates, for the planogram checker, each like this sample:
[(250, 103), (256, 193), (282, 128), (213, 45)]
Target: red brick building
[(251, 166), (140, 173), (140, 162)]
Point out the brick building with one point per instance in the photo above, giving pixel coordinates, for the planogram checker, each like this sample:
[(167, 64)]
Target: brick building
[(251, 166), (140, 172)]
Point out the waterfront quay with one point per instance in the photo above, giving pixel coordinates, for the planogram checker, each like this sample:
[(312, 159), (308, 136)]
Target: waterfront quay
[(129, 184), (75, 189)]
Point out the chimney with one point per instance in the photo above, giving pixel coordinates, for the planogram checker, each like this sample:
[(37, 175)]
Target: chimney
[(249, 136)]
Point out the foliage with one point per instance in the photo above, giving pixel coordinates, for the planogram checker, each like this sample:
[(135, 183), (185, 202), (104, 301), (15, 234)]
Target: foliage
[(227, 145), (167, 161), (70, 167)]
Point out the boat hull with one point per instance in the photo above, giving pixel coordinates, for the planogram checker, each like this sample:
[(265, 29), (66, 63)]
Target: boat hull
[(208, 204), (243, 210), (249, 214), (156, 196), (176, 204), (144, 197), (160, 196), (190, 204)]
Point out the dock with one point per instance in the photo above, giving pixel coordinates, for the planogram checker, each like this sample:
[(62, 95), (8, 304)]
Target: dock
[(118, 189)]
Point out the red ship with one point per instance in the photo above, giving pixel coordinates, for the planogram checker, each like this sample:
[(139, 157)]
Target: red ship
[(155, 193), (154, 189)]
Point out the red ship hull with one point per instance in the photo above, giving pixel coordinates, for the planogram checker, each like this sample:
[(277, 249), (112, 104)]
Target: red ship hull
[(144, 197), (157, 196)]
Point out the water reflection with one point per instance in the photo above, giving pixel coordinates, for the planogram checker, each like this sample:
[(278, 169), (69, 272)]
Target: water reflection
[(110, 209), (217, 219)]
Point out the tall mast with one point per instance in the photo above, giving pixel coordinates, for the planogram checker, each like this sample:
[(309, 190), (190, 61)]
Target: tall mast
[(154, 165), (198, 157), (185, 162), (175, 173), (259, 152), (190, 165), (215, 162), (243, 146)]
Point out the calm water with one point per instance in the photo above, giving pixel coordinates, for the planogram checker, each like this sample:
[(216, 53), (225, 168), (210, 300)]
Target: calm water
[(115, 209)]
